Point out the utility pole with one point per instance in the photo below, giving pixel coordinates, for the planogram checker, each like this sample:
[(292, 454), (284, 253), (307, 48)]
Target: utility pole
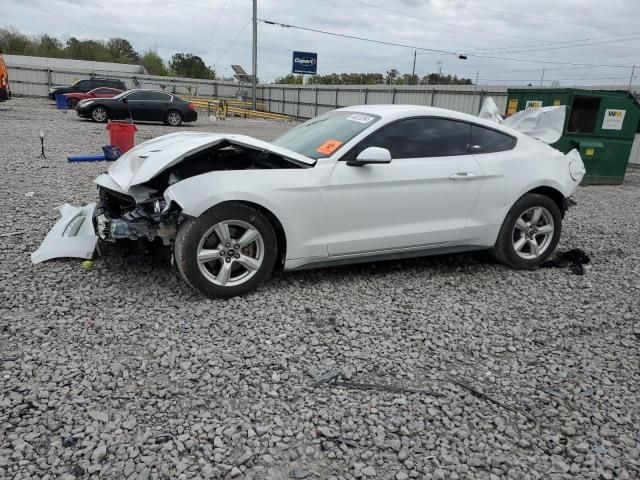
[(413, 73), (439, 71), (633, 70), (255, 54), (542, 79)]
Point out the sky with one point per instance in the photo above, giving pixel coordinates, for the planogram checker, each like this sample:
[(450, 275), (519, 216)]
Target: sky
[(507, 42)]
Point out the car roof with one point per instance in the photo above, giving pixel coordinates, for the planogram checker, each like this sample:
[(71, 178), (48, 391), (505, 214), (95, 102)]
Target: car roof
[(390, 112)]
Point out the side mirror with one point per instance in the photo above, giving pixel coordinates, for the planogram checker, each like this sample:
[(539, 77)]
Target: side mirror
[(374, 155), (124, 100)]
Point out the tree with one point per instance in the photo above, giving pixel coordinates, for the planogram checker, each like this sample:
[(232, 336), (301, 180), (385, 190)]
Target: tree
[(122, 51), (153, 63), (50, 47), (191, 66), (14, 42), (391, 76)]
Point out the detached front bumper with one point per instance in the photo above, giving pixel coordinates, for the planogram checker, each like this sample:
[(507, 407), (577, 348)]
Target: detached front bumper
[(72, 236)]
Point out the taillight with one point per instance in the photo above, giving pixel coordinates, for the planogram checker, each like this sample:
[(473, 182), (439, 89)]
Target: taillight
[(192, 106)]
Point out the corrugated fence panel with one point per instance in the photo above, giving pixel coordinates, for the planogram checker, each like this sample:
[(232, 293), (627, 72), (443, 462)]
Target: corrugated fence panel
[(379, 97), (347, 98)]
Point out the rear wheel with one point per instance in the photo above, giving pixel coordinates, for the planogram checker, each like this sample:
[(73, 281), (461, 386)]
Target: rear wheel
[(227, 251), (173, 118), (99, 114), (72, 103), (530, 232)]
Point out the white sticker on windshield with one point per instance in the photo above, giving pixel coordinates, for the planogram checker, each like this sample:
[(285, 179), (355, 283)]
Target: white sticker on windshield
[(360, 118)]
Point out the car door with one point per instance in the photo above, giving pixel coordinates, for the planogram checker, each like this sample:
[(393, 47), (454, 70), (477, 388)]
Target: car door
[(103, 93), (157, 106), (422, 198), (137, 102)]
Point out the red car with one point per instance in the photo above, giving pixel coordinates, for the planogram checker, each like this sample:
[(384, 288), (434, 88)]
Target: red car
[(102, 92)]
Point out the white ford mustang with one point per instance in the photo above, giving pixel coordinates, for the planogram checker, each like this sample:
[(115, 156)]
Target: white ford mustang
[(357, 184)]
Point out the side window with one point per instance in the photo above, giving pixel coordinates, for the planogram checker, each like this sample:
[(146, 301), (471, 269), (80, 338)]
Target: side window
[(421, 137), (137, 96), (158, 96), (84, 84), (103, 90), (485, 140)]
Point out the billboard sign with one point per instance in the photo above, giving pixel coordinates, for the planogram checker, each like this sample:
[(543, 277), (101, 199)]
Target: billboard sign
[(305, 63)]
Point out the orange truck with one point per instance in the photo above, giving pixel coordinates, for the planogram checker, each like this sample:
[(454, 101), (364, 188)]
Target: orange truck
[(5, 91)]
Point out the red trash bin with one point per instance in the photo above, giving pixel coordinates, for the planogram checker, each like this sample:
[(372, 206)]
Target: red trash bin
[(122, 135)]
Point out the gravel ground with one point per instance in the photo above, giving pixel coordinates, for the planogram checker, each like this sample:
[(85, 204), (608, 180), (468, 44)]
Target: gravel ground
[(122, 371)]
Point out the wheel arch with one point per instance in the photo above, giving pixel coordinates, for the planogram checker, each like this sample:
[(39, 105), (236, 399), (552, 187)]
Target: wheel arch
[(556, 195)]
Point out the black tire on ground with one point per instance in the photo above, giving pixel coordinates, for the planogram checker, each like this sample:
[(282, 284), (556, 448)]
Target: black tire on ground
[(505, 251), (193, 230), (72, 103), (97, 116), (173, 118)]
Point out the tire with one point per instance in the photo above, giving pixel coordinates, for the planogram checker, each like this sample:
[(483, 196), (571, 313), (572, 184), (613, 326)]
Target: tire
[(72, 103), (520, 231), (226, 274), (173, 118), (99, 114)]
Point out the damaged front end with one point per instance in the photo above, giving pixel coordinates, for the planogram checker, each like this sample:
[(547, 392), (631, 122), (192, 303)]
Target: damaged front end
[(118, 217), (132, 206)]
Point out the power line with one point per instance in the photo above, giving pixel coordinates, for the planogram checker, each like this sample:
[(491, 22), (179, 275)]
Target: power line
[(433, 50), (215, 25), (637, 37), (552, 45), (231, 43)]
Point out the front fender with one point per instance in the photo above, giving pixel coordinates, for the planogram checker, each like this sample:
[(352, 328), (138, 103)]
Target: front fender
[(295, 197)]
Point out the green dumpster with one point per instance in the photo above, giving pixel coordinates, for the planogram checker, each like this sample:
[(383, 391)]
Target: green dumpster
[(601, 124)]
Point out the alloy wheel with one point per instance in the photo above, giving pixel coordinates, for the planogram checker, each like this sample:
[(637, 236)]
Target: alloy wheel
[(174, 118), (533, 233), (230, 253), (99, 114)]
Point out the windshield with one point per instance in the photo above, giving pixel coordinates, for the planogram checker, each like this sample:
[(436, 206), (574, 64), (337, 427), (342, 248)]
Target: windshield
[(323, 135), (120, 95)]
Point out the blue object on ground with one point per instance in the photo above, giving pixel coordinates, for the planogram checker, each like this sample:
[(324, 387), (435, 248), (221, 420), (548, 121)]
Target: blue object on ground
[(112, 152), (61, 101), (87, 158)]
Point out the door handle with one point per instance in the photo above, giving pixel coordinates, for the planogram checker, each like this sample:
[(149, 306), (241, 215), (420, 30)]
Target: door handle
[(462, 176)]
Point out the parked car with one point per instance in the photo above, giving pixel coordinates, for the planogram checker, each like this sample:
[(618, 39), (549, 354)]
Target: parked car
[(362, 183), (83, 86), (74, 98), (146, 105)]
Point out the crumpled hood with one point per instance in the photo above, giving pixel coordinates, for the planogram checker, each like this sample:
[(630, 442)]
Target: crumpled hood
[(145, 161)]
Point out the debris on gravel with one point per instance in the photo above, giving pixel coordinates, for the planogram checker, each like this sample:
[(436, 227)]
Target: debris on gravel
[(122, 371)]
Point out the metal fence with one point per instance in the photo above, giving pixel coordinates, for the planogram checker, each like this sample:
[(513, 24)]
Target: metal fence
[(302, 101)]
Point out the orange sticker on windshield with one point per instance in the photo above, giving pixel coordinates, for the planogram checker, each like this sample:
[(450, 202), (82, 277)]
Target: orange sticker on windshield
[(329, 147)]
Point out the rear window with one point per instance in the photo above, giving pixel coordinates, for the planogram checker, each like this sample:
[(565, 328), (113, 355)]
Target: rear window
[(486, 140), (323, 135)]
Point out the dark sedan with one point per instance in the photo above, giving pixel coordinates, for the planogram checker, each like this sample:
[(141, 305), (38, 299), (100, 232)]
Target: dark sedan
[(141, 105)]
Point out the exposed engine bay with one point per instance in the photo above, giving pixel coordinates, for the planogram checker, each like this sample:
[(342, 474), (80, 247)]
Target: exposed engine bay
[(119, 216)]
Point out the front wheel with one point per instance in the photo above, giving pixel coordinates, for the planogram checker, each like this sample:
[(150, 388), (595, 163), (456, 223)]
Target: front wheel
[(72, 103), (99, 114), (530, 232), (227, 251)]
